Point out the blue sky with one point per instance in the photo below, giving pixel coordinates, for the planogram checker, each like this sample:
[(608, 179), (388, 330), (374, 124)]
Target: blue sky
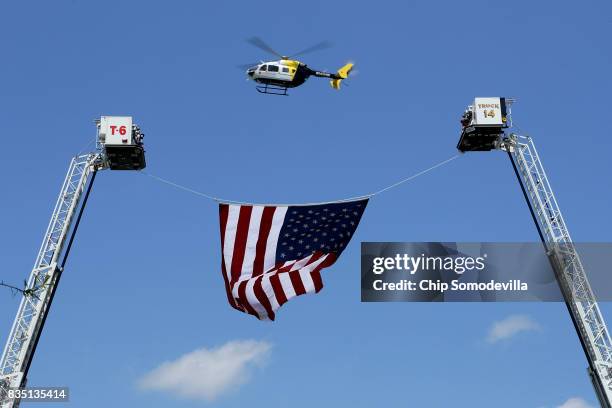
[(143, 284)]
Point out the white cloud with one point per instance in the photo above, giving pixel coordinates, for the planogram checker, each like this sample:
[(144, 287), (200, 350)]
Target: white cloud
[(575, 403), (206, 374), (511, 326)]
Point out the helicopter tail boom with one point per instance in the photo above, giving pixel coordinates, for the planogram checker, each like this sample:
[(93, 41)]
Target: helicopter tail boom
[(342, 73)]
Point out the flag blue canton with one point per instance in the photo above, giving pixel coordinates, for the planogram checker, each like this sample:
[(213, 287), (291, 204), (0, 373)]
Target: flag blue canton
[(323, 228)]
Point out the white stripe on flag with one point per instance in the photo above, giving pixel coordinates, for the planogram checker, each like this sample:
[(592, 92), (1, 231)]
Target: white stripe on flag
[(251, 243), (285, 281), (277, 223), (253, 301), (235, 289), (269, 291), (307, 278), (299, 264), (230, 237), (307, 281)]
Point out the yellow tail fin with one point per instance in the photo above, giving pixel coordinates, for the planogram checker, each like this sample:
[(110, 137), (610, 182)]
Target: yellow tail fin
[(343, 73)]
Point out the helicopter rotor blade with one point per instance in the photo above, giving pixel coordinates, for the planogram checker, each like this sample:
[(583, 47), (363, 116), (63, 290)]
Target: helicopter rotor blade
[(261, 44), (323, 45)]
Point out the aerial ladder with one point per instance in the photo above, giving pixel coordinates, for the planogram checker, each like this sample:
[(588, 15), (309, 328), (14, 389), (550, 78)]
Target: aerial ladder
[(485, 127), (119, 146)]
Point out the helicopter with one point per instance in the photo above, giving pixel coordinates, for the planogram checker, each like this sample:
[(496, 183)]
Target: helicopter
[(275, 77)]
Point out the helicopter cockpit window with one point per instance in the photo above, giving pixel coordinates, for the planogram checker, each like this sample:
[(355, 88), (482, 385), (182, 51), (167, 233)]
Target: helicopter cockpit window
[(285, 69), (272, 68), (263, 68)]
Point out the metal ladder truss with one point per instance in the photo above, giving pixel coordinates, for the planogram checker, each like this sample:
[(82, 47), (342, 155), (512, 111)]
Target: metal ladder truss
[(572, 277), (29, 320)]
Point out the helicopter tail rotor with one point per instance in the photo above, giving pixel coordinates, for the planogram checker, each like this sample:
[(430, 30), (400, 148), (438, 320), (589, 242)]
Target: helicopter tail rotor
[(342, 73)]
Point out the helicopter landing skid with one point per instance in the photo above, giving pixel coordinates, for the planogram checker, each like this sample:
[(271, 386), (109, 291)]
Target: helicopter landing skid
[(272, 90)]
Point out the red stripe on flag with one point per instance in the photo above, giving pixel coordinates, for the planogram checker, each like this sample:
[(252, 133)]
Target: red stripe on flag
[(296, 281), (223, 212), (286, 268), (281, 298), (261, 296), (242, 232), (329, 261), (316, 279), (262, 240), (316, 275), (315, 257)]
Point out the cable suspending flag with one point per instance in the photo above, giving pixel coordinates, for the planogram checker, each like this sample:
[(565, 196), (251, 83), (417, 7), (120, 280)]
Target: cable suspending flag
[(271, 254)]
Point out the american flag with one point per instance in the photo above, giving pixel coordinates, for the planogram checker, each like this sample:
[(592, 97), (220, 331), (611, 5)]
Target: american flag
[(271, 254)]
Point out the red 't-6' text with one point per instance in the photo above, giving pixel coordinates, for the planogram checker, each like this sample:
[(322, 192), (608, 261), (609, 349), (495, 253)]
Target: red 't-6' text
[(122, 130)]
